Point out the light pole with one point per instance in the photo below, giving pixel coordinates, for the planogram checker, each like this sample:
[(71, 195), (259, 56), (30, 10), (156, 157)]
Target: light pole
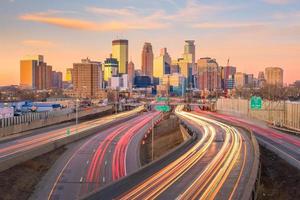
[(152, 139), (77, 101)]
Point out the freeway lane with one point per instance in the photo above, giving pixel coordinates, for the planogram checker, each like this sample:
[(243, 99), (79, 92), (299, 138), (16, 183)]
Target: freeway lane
[(12, 148), (285, 145), (217, 166), (103, 158)]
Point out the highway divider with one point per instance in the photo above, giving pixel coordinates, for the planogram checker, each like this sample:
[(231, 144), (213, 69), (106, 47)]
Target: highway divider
[(22, 156)]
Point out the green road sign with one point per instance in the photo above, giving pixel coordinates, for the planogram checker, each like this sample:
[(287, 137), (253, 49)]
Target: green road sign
[(162, 99), (163, 108), (255, 103)]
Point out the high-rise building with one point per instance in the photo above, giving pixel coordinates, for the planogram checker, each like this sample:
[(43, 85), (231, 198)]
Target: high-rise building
[(261, 79), (240, 80), (120, 52), (162, 64), (110, 68), (86, 78), (175, 83), (147, 59), (249, 80), (274, 76), (189, 51), (69, 75), (227, 77), (28, 73), (35, 73), (131, 74), (57, 80), (209, 75)]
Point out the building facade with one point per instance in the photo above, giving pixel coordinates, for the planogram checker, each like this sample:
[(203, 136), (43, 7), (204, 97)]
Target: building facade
[(86, 78), (111, 66), (274, 76), (240, 80), (147, 60), (131, 74), (162, 64), (209, 75), (120, 52)]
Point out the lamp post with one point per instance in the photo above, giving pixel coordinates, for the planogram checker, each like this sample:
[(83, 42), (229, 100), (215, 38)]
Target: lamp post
[(77, 101)]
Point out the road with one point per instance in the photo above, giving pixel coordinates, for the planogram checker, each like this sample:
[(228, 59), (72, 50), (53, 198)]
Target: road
[(103, 158), (285, 145), (217, 166), (10, 148)]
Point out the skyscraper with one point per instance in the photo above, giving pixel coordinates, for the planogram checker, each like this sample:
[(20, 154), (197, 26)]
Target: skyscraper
[(28, 73), (162, 64), (239, 80), (228, 73), (110, 68), (189, 51), (131, 74), (35, 73), (274, 76), (120, 52), (147, 59), (56, 80), (86, 78), (209, 74), (69, 75)]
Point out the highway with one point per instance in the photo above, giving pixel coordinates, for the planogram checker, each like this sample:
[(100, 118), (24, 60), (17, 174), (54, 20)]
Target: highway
[(217, 166), (104, 158), (285, 145), (9, 149)]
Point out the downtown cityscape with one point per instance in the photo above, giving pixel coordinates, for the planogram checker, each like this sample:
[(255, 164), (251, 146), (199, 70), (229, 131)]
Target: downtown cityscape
[(168, 99)]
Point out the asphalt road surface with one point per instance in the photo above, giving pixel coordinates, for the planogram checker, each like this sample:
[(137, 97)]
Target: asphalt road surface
[(103, 158)]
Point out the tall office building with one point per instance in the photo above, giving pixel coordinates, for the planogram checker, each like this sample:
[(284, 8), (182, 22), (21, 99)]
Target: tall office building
[(110, 68), (69, 75), (147, 60), (131, 74), (35, 73), (56, 80), (86, 78), (162, 64), (274, 76), (209, 74), (261, 79), (239, 80), (120, 52), (189, 51), (28, 72), (227, 77)]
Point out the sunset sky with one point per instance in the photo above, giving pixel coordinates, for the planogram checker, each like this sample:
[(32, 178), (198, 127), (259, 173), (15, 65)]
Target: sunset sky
[(253, 34)]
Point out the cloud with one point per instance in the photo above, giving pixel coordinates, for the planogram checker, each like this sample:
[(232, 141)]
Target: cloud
[(71, 23), (111, 12), (38, 43), (229, 25), (278, 1)]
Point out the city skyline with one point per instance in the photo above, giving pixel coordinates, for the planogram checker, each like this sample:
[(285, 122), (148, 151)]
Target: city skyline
[(268, 38)]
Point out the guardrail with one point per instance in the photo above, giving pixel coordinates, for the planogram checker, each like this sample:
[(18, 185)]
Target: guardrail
[(38, 120)]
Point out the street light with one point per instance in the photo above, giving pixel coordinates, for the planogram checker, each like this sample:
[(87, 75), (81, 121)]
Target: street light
[(77, 101)]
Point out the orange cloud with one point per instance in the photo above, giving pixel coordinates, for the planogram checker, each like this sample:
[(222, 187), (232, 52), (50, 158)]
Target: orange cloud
[(90, 25)]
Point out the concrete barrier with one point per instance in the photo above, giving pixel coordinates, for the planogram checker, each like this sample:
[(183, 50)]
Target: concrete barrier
[(23, 156), (115, 189), (38, 123)]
